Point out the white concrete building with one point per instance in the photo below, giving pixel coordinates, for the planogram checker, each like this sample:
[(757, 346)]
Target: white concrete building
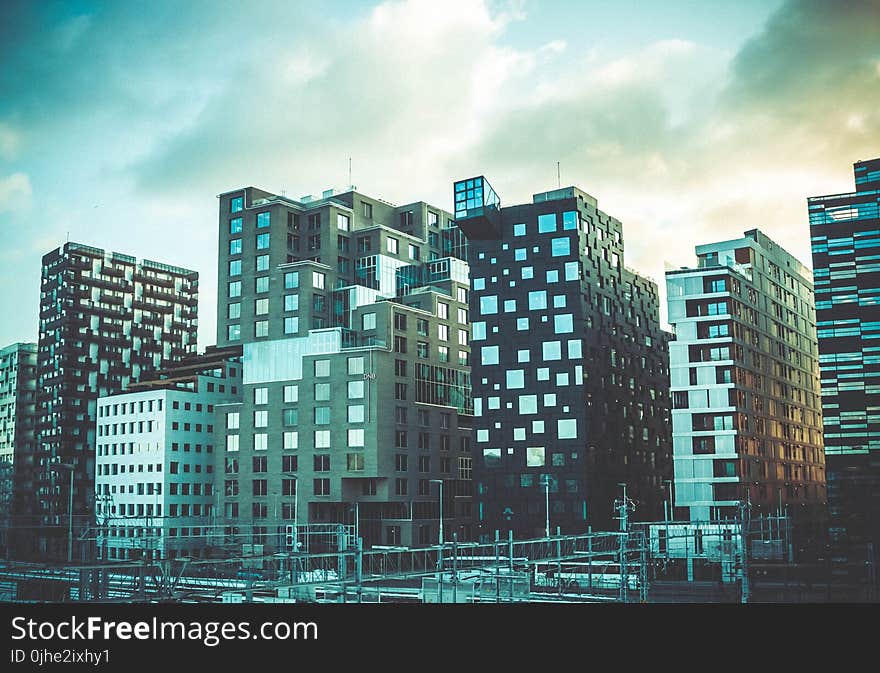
[(155, 462)]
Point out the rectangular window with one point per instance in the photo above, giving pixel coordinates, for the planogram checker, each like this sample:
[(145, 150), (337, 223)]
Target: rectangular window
[(368, 321), (261, 306), (355, 390), (290, 417), (291, 441), (236, 204), (263, 241), (233, 311), (318, 280), (291, 393), (342, 222), (235, 289), (261, 284), (263, 219), (235, 267), (355, 365), (546, 223), (392, 245), (291, 280), (291, 325), (262, 262), (261, 328), (235, 225)]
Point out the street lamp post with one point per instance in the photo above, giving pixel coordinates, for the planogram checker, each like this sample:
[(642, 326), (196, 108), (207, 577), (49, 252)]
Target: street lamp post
[(440, 541), (547, 507)]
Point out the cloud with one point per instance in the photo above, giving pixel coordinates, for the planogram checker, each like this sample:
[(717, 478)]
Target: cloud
[(15, 193)]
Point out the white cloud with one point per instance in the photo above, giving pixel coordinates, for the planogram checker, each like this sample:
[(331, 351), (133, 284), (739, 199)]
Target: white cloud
[(10, 141), (15, 193)]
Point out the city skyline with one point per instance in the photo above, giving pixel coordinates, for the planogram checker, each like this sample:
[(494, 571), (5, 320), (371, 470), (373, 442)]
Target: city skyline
[(709, 105)]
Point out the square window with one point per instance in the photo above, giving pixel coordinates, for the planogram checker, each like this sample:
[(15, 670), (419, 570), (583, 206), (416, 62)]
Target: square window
[(537, 300), (522, 324), (489, 355), (563, 323), (566, 428), (519, 229), (519, 434), (552, 276), (558, 301), (560, 247), (488, 304), (552, 350), (527, 272), (535, 456), (519, 254), (523, 355), (546, 223), (510, 305), (515, 378)]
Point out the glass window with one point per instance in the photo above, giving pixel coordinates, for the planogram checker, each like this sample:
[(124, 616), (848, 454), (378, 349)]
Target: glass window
[(570, 219), (235, 289), (291, 280), (479, 283), (414, 252), (342, 222), (535, 456), (572, 270), (261, 306), (462, 340), (356, 413), (261, 419), (479, 331), (235, 246), (515, 379), (519, 230), (318, 280), (546, 223), (261, 395), (235, 225), (510, 305), (263, 241), (355, 390), (443, 310), (236, 204), (322, 439), (261, 328), (262, 284), (392, 245), (527, 272), (322, 368), (574, 349), (558, 301), (355, 437), (262, 262), (552, 276), (291, 441), (234, 311), (523, 355), (537, 300), (356, 365), (232, 420), (233, 332), (291, 302), (443, 353), (528, 404), (263, 219), (543, 373), (563, 323), (291, 325), (552, 350), (290, 417), (443, 332), (489, 304), (519, 254), (322, 392), (368, 321), (522, 324), (291, 393), (566, 428), (560, 247), (322, 415), (489, 355), (549, 399)]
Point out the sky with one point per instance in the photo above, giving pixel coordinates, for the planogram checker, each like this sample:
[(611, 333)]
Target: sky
[(690, 121)]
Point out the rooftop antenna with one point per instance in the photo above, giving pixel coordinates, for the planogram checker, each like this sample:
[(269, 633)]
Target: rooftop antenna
[(558, 176)]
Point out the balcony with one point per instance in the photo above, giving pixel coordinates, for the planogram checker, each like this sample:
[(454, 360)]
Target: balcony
[(477, 209)]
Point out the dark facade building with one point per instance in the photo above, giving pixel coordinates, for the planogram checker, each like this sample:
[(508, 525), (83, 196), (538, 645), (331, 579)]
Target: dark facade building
[(845, 235), (352, 315), (570, 367), (106, 320), (746, 410), (18, 382)]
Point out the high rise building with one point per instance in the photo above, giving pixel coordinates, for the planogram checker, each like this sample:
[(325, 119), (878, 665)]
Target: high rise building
[(746, 417), (106, 320), (18, 382), (352, 316), (570, 376), (155, 481), (845, 235)]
